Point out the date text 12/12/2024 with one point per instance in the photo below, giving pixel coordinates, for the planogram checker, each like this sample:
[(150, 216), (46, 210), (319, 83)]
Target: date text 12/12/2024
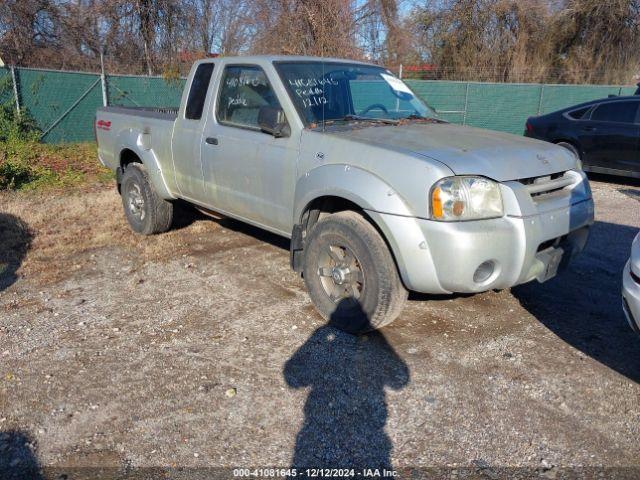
[(314, 473)]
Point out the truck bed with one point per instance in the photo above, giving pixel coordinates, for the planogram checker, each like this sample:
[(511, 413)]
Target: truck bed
[(146, 130)]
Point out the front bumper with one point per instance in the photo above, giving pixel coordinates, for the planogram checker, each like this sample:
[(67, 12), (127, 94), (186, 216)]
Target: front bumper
[(631, 298), (439, 257)]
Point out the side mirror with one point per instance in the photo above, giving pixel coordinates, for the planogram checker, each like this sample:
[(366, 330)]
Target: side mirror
[(272, 120)]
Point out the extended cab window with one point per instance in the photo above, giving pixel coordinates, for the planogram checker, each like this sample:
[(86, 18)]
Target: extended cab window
[(621, 112), (198, 91), (244, 89)]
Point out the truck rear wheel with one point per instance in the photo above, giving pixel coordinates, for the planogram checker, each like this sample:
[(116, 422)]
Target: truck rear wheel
[(146, 212), (350, 274)]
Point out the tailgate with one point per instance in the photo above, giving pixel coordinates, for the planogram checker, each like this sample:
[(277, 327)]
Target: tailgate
[(136, 128)]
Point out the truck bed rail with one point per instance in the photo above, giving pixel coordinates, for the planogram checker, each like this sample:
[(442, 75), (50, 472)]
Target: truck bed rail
[(164, 113)]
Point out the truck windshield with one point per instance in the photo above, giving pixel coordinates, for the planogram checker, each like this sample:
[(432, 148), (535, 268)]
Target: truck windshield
[(334, 91)]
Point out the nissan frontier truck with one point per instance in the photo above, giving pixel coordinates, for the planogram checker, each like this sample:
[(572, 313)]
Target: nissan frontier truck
[(376, 193)]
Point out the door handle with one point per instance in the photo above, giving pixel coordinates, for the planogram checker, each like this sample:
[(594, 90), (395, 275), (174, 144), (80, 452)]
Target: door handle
[(589, 129), (211, 141)]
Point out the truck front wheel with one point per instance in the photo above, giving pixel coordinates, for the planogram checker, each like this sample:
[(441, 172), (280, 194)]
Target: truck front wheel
[(350, 274), (146, 212)]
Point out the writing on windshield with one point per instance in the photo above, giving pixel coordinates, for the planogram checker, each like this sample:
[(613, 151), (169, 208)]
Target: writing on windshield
[(331, 91), (311, 90)]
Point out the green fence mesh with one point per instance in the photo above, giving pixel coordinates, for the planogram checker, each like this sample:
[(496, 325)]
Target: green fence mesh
[(447, 98), (144, 91), (64, 103), (504, 106)]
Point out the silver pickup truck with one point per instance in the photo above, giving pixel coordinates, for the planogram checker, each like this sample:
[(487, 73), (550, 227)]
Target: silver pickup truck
[(377, 194)]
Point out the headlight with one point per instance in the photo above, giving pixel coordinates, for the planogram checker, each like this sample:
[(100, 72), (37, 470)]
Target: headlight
[(465, 198)]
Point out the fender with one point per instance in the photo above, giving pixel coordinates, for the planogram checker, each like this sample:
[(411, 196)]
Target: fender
[(571, 140), (138, 142), (384, 207), (359, 186)]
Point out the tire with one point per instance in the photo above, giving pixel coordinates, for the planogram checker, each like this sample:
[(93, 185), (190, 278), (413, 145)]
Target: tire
[(146, 212), (350, 274)]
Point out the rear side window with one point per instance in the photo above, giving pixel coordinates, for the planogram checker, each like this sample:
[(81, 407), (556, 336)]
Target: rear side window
[(243, 91), (578, 114), (621, 112), (198, 92)]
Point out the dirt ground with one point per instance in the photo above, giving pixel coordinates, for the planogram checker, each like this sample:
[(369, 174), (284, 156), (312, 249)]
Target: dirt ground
[(200, 348)]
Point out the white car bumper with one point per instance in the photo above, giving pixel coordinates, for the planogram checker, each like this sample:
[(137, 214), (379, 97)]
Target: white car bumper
[(631, 297)]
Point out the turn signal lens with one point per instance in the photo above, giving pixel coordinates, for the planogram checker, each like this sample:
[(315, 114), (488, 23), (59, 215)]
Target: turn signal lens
[(436, 203)]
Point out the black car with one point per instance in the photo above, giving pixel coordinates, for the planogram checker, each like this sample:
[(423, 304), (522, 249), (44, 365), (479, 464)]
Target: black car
[(604, 134)]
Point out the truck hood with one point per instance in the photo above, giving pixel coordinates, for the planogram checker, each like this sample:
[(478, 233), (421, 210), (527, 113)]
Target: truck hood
[(469, 151)]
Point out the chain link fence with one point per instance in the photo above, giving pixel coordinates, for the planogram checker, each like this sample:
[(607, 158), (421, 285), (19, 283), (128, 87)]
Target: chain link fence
[(63, 104), (505, 106)]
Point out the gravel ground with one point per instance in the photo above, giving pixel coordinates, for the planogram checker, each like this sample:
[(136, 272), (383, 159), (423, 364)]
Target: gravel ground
[(200, 348)]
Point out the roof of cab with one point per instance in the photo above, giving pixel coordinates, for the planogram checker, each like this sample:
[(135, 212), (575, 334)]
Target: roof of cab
[(282, 58)]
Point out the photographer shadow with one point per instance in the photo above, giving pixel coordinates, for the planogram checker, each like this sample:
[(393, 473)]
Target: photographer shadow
[(17, 459), (15, 242), (346, 409)]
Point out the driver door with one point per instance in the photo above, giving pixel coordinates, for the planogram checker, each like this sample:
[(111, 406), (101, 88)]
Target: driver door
[(250, 174)]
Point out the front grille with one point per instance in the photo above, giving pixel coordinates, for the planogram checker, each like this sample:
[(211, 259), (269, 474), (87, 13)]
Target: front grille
[(532, 180), (548, 184)]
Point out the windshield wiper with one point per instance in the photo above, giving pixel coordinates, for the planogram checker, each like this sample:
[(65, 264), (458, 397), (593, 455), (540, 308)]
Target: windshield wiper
[(413, 116), (349, 118)]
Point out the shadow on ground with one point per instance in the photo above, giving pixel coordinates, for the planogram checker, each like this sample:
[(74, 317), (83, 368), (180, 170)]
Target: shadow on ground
[(631, 193), (17, 459), (346, 410), (583, 306), (15, 241), (186, 214)]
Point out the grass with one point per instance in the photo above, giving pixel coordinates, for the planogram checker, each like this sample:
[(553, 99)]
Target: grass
[(46, 235), (28, 165)]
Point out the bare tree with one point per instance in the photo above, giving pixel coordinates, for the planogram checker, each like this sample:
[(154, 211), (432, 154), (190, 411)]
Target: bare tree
[(499, 40), (395, 39), (597, 41), (27, 27), (221, 26), (147, 13), (306, 27), (502, 40), (384, 38)]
